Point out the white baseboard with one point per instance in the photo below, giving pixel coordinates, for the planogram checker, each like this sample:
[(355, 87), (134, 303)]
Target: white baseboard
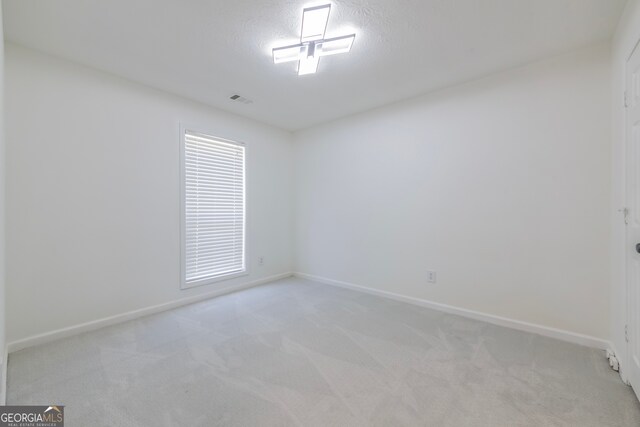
[(123, 317), (546, 331), (560, 334)]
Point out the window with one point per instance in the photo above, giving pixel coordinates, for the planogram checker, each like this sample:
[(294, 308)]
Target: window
[(213, 209)]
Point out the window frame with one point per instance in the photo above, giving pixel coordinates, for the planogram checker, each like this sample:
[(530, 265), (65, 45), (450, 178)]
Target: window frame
[(184, 285)]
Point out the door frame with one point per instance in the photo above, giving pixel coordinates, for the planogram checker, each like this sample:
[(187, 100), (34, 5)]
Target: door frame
[(626, 136)]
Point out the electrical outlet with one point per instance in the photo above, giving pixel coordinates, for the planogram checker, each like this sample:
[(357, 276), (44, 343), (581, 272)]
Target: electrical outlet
[(260, 260), (431, 276)]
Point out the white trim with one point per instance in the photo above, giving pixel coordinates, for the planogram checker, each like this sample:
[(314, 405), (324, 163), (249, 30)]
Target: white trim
[(614, 352), (628, 306), (546, 331), (135, 314), (183, 239), (211, 280)]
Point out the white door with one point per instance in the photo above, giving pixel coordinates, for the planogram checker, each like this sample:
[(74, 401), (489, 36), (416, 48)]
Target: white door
[(632, 100)]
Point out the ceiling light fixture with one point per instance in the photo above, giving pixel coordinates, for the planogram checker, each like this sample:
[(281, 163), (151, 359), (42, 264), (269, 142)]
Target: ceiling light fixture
[(312, 44)]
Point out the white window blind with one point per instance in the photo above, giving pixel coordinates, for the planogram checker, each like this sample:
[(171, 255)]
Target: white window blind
[(214, 208)]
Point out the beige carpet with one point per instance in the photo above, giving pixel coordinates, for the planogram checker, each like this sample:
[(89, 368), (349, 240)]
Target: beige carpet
[(299, 353)]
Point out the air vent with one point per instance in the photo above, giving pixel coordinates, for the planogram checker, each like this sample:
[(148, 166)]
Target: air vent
[(241, 99)]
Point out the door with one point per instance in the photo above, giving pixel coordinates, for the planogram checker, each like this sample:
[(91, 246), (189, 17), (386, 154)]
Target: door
[(632, 99)]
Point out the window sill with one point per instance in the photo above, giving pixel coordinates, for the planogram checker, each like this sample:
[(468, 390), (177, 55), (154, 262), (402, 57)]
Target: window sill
[(212, 280)]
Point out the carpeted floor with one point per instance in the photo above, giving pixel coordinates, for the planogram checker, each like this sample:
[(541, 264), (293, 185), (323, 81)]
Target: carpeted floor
[(296, 352)]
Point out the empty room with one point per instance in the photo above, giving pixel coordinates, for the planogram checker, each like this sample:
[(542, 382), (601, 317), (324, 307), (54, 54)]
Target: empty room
[(320, 213)]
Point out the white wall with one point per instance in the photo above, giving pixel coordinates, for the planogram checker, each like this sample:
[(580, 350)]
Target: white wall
[(501, 185), (2, 220), (626, 37), (93, 194)]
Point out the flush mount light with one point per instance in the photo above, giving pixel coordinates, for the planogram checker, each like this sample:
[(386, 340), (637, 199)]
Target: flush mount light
[(312, 44), (289, 53)]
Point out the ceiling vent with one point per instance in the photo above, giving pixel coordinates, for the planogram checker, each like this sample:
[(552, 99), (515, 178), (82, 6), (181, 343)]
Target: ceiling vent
[(242, 99)]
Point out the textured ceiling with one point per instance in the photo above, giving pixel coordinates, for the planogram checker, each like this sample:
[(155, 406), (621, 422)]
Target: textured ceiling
[(207, 50)]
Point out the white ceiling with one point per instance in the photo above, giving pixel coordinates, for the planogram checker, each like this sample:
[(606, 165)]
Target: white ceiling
[(208, 50)]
